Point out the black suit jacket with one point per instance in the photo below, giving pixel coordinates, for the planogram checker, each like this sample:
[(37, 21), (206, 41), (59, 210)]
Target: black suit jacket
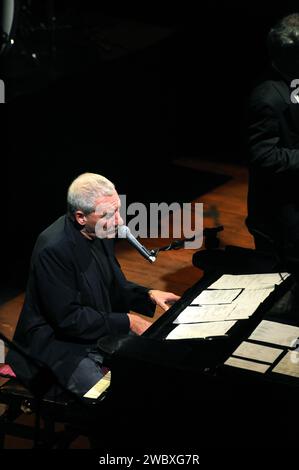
[(67, 306), (273, 195)]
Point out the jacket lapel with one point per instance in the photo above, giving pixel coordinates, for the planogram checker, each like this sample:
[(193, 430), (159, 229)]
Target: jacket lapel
[(86, 262)]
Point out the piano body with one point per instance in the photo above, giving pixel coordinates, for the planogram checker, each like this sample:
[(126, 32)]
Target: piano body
[(180, 394)]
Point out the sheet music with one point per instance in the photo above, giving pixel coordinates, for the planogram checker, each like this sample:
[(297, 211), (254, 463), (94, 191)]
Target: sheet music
[(200, 330), (240, 308), (289, 364), (216, 297), (258, 352), (249, 300), (209, 313), (99, 388), (249, 365), (249, 281), (275, 333)]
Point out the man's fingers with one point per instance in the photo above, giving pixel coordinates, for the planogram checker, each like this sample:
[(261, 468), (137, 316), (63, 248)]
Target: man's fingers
[(174, 297), (163, 305)]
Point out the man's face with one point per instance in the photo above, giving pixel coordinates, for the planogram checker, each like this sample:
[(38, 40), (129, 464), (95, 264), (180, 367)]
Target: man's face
[(106, 217)]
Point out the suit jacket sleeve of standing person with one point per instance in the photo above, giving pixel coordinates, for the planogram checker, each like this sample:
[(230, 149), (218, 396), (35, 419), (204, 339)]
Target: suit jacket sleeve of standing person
[(273, 147), (273, 129), (68, 307), (273, 134)]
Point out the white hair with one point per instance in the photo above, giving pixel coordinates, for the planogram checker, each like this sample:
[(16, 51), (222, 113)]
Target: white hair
[(85, 190)]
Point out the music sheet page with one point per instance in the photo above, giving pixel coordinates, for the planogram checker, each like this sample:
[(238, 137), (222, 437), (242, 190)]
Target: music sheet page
[(200, 330), (249, 365), (257, 352), (249, 300), (206, 313), (275, 333), (248, 281), (216, 297), (289, 364), (240, 308)]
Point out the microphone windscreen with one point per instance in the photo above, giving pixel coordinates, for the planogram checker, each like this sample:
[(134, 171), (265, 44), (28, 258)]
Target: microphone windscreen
[(123, 231)]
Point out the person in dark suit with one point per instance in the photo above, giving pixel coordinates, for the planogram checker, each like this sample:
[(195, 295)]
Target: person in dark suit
[(77, 292), (273, 194)]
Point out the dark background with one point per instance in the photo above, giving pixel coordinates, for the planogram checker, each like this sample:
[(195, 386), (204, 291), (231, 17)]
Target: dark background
[(121, 91)]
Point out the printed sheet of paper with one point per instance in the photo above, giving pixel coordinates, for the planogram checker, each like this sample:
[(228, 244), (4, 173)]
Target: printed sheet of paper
[(216, 297), (200, 330), (208, 313), (100, 387), (289, 364), (249, 281), (241, 308), (249, 300), (276, 333), (257, 352), (249, 365)]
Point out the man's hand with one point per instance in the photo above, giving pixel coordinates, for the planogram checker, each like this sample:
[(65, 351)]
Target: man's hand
[(138, 324), (163, 299)]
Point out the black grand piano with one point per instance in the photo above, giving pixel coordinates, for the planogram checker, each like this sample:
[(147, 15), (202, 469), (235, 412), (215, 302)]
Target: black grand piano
[(180, 394)]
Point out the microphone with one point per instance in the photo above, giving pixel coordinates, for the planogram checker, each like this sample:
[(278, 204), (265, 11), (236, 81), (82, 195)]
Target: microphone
[(125, 232)]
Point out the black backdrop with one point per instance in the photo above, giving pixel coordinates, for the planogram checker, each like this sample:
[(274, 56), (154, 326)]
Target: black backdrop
[(125, 91)]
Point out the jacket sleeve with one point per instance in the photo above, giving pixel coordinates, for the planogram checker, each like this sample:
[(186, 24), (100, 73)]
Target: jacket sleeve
[(134, 296), (62, 303), (265, 147)]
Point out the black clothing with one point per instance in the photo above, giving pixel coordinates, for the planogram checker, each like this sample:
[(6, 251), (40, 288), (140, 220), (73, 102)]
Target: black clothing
[(75, 295), (100, 254), (273, 195)]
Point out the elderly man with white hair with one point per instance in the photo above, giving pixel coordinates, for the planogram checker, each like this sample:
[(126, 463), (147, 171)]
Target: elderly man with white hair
[(77, 293)]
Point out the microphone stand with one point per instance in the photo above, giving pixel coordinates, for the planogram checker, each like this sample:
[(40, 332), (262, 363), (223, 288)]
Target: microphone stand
[(211, 241), (175, 245)]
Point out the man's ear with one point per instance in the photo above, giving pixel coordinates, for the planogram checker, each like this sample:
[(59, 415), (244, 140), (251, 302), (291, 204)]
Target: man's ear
[(80, 218)]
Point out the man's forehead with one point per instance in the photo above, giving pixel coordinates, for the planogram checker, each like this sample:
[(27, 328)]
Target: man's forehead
[(112, 201)]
